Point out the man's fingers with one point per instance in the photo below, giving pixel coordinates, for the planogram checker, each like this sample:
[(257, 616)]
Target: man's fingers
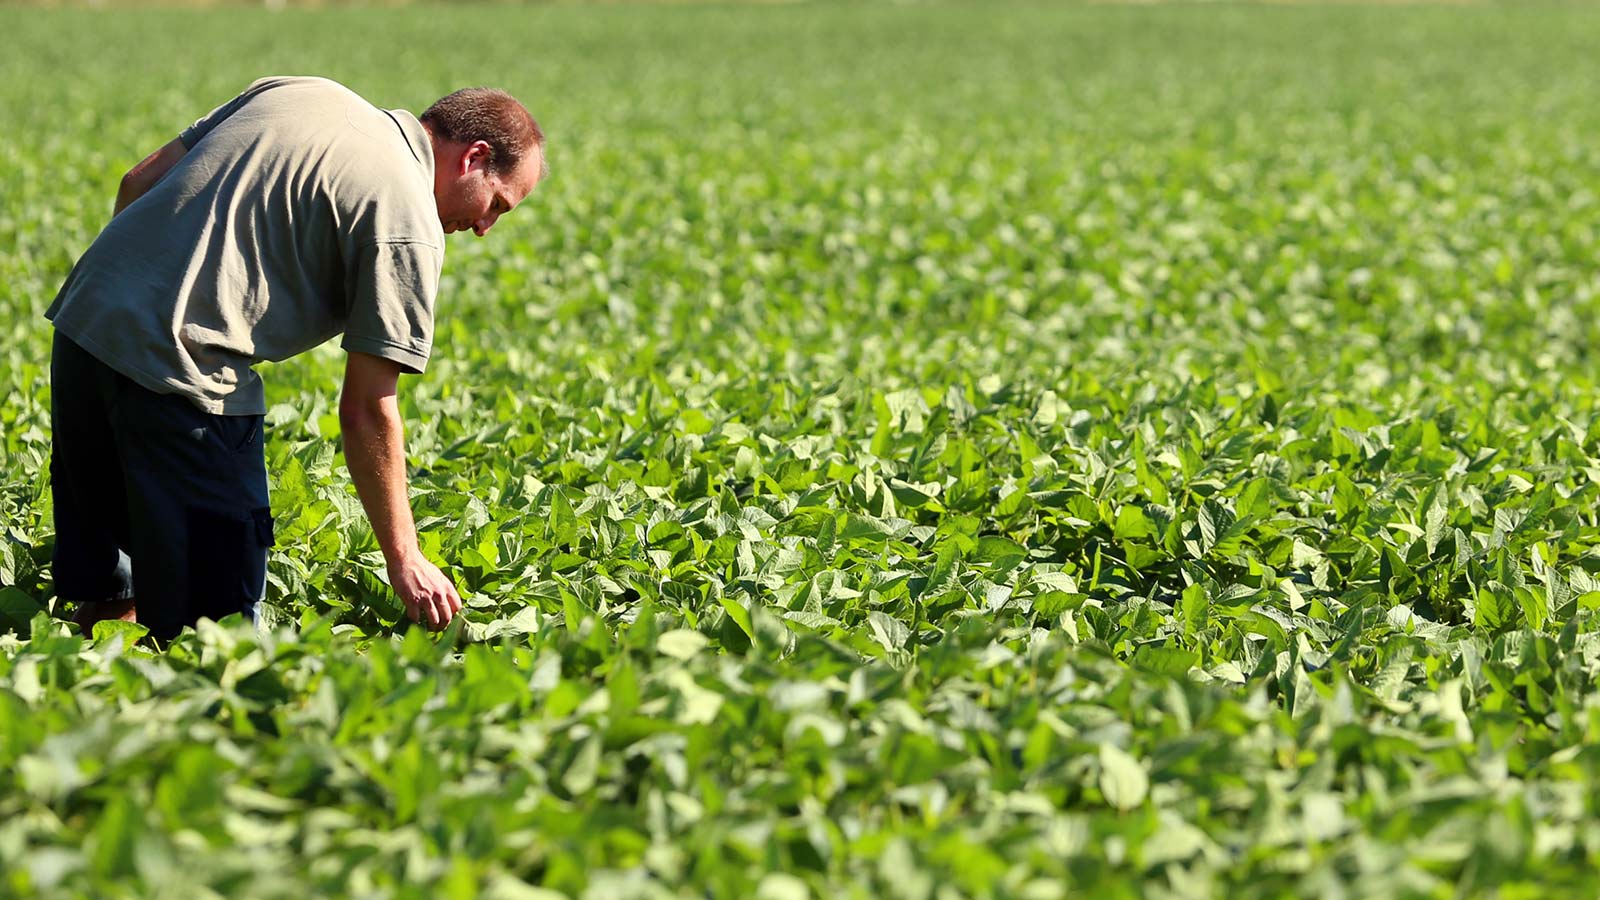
[(449, 599), (441, 611), (419, 608), (432, 599)]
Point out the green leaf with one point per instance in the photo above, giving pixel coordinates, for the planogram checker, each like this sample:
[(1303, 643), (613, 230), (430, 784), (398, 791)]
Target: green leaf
[(889, 632), (130, 632), (116, 832), (1195, 609), (1123, 781), (1131, 523), (1535, 607), (17, 610), (997, 551), (681, 643), (1170, 661), (739, 615), (1494, 608), (942, 576)]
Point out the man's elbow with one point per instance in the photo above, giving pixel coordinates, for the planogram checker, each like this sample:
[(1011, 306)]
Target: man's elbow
[(365, 414), (354, 416), (136, 180), (129, 189)]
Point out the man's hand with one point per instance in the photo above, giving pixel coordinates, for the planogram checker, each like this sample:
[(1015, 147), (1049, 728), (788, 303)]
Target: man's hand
[(429, 596), (374, 449)]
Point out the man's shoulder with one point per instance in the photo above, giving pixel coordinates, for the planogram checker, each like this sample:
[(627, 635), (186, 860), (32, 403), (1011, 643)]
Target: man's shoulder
[(383, 182), (374, 166), (351, 141)]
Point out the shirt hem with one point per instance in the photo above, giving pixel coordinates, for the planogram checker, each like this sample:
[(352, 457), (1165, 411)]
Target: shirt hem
[(150, 382), (414, 362)]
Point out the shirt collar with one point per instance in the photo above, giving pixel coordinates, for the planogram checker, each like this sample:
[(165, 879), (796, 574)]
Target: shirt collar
[(416, 138)]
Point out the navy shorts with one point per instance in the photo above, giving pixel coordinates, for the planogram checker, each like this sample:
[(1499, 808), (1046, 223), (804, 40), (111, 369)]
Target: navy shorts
[(154, 498)]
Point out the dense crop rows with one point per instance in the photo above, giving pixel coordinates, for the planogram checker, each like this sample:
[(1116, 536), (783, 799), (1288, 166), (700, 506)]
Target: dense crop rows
[(903, 451)]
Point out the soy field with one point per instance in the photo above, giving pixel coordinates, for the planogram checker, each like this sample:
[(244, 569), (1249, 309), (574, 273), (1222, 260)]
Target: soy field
[(913, 451)]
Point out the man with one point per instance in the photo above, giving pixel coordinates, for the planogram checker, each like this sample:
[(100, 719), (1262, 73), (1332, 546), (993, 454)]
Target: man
[(294, 212)]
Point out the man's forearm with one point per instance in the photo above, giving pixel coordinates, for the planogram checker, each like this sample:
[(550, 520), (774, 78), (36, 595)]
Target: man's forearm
[(374, 449)]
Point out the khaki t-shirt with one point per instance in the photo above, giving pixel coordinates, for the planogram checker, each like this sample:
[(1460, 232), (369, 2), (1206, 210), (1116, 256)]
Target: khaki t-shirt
[(299, 211)]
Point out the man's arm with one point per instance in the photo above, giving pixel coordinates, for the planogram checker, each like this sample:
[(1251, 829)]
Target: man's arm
[(374, 449), (143, 176)]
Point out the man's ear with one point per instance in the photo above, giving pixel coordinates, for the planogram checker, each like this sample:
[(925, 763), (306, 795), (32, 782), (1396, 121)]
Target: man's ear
[(476, 156)]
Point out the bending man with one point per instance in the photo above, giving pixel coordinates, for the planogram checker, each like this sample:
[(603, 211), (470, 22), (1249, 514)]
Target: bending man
[(294, 212)]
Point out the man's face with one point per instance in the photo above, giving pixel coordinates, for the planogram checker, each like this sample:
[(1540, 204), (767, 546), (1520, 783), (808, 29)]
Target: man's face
[(469, 196)]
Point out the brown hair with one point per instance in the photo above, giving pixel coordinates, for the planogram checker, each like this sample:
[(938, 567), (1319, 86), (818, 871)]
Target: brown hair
[(494, 117)]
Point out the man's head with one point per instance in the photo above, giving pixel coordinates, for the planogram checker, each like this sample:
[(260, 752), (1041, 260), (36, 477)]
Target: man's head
[(488, 153)]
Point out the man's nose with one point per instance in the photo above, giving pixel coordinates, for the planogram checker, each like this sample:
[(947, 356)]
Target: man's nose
[(482, 226)]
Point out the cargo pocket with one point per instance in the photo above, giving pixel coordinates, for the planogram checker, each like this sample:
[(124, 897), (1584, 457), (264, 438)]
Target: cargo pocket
[(250, 438), (227, 561)]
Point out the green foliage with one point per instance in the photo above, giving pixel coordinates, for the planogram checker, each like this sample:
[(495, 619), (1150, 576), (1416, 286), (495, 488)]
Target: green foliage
[(993, 451)]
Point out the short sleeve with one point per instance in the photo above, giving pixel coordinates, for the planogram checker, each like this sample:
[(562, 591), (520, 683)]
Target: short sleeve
[(203, 125), (392, 288)]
